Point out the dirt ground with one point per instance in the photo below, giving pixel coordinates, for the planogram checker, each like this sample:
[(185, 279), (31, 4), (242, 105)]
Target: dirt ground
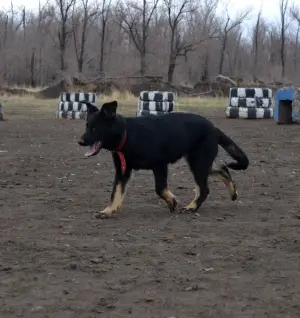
[(232, 259)]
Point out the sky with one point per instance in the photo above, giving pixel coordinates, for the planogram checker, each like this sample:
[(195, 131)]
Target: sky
[(270, 8)]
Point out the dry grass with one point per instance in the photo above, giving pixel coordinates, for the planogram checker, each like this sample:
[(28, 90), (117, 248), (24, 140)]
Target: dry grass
[(16, 107)]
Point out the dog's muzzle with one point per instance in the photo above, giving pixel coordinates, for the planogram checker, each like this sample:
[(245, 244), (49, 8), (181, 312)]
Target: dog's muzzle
[(81, 142)]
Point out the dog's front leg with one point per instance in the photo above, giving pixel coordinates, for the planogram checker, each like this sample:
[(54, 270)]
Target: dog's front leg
[(117, 195), (161, 186)]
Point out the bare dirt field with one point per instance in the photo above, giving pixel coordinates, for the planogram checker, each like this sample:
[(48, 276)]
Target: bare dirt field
[(231, 259)]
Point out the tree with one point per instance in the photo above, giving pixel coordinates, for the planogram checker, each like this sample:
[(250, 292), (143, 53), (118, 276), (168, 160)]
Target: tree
[(284, 24), (227, 26), (136, 21), (180, 43), (178, 46), (294, 11), (64, 28), (81, 21), (233, 61), (255, 44), (106, 6)]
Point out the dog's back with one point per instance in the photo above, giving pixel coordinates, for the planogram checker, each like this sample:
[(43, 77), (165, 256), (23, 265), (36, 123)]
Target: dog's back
[(170, 126), (168, 136)]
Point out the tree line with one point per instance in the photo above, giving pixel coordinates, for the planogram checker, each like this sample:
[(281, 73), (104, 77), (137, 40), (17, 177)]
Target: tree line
[(181, 40)]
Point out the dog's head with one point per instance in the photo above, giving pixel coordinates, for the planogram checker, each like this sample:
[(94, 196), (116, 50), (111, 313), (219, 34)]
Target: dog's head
[(104, 128)]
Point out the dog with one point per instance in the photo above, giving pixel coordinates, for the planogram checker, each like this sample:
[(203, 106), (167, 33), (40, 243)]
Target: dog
[(152, 143)]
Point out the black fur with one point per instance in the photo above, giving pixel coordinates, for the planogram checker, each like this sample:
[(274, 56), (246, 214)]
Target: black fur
[(153, 142)]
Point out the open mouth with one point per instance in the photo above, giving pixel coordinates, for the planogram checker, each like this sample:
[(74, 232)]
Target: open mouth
[(94, 149)]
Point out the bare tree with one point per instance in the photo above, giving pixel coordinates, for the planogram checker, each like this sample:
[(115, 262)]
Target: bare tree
[(136, 23), (283, 17), (227, 26), (81, 21), (28, 56), (255, 44), (3, 44), (180, 43), (295, 14), (233, 61), (22, 22), (295, 58), (106, 7), (64, 28)]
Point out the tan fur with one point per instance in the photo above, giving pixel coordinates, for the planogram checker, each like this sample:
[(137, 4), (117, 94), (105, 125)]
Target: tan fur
[(230, 187), (168, 196), (193, 204), (115, 204)]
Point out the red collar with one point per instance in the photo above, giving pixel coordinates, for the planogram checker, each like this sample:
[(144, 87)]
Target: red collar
[(120, 154), (122, 143)]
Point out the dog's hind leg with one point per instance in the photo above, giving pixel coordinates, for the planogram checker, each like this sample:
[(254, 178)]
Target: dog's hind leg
[(161, 186), (224, 174), (117, 196), (200, 161)]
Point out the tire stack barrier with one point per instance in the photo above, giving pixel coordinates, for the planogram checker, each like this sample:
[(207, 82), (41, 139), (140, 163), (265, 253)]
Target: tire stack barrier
[(250, 103), (69, 106), (1, 112), (155, 103)]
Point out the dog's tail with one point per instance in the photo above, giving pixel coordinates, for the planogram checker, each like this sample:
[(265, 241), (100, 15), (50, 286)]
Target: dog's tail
[(234, 151)]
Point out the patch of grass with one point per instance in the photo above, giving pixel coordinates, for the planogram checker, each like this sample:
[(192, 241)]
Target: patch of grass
[(17, 107)]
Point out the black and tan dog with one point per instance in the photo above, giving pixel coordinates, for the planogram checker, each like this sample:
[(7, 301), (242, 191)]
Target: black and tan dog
[(152, 143)]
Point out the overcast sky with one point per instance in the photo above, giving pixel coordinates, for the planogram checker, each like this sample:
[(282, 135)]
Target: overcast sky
[(270, 9)]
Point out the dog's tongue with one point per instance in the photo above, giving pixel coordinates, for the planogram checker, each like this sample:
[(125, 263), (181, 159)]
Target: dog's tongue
[(94, 149)]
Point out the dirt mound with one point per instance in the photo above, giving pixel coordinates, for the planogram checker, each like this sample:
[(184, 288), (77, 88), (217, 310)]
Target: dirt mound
[(54, 91), (74, 84), (108, 87), (14, 91)]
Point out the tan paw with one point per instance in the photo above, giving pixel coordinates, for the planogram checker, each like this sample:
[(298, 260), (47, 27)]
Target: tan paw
[(104, 214), (192, 207), (172, 205)]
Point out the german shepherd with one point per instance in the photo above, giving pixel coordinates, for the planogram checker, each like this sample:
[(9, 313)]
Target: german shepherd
[(151, 143)]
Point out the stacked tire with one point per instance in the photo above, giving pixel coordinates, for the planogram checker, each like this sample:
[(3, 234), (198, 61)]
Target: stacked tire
[(250, 103), (70, 106), (155, 103)]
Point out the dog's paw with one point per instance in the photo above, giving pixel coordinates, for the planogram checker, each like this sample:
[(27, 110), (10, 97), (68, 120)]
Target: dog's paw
[(104, 214), (187, 210), (234, 196), (173, 205), (192, 207)]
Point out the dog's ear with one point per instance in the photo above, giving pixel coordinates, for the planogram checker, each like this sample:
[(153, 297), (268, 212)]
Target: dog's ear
[(90, 107), (109, 109)]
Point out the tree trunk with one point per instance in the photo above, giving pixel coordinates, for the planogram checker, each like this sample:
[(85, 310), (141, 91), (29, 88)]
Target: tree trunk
[(282, 47), (32, 69), (82, 45), (256, 48), (103, 33), (143, 63), (41, 79), (172, 57), (282, 57), (296, 51), (62, 58), (204, 76), (80, 65), (236, 54), (4, 48), (171, 68), (222, 53)]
